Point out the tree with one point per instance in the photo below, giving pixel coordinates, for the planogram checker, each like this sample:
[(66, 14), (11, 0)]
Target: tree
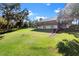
[(13, 12), (7, 10), (75, 14), (3, 23), (35, 23), (21, 16)]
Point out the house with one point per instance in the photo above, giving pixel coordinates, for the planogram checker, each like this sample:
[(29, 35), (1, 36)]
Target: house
[(51, 24)]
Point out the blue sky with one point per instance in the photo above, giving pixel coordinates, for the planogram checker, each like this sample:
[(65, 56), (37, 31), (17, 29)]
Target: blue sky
[(42, 10)]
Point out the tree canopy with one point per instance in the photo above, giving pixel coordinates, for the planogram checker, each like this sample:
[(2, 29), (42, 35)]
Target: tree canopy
[(12, 11)]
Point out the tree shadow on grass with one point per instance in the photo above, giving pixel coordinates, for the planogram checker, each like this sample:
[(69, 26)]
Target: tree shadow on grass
[(69, 31), (43, 30), (1, 37), (68, 48), (76, 34), (6, 31), (10, 30)]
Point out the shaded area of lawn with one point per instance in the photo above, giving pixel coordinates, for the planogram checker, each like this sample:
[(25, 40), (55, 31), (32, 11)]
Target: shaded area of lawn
[(10, 30), (7, 31), (1, 37), (43, 30), (68, 48), (69, 31), (76, 34)]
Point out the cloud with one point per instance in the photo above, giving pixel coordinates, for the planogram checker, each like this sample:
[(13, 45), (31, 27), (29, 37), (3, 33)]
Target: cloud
[(43, 17), (57, 10), (31, 13), (48, 4)]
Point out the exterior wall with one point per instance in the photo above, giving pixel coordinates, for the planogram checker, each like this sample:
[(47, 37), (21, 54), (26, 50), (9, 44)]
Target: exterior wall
[(40, 27), (64, 26), (48, 27), (55, 26)]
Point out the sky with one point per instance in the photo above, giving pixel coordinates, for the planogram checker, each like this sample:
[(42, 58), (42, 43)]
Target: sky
[(42, 10)]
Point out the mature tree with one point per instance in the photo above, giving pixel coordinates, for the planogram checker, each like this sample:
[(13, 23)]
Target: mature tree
[(8, 10), (75, 14), (12, 11), (21, 16)]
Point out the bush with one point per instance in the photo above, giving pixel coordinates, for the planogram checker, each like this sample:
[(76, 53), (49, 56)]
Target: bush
[(69, 48), (3, 23), (74, 27)]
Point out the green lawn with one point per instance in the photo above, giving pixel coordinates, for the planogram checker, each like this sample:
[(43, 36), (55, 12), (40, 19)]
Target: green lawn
[(26, 42)]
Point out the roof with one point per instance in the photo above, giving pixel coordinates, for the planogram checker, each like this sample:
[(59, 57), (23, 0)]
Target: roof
[(51, 22), (49, 19)]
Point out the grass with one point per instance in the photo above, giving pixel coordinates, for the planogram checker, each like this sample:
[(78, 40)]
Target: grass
[(26, 42)]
